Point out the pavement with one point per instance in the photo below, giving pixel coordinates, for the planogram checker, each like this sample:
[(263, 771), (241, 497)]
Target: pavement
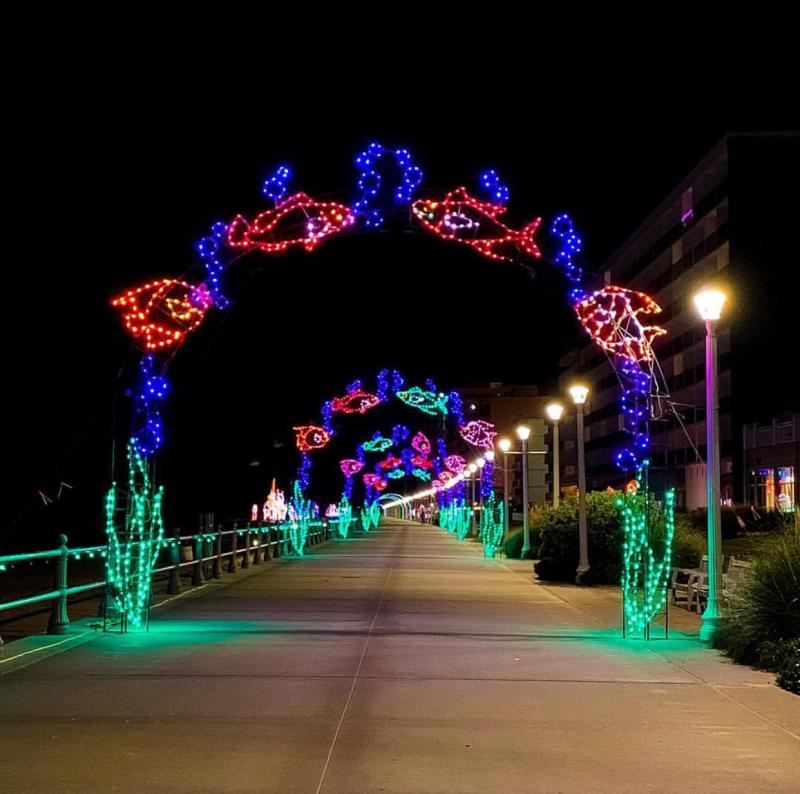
[(397, 661)]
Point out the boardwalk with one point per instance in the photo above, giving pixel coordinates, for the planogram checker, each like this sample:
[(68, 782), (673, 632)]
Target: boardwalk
[(400, 661)]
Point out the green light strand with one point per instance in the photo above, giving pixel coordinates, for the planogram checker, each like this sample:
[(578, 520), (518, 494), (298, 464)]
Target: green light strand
[(644, 579), (133, 548), (298, 528), (345, 518), (491, 526), (370, 516)]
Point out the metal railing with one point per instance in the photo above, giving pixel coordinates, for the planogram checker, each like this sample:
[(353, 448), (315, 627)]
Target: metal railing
[(202, 553)]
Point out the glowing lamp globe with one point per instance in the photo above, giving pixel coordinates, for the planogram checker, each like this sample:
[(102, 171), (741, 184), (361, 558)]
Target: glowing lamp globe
[(554, 411), (523, 432), (489, 455), (473, 468), (481, 463), (579, 393), (504, 444), (709, 303)]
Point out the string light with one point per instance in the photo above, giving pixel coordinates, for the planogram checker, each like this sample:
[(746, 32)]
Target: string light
[(455, 463), (350, 466), (465, 219), (571, 245), (310, 437), (275, 184), (428, 402), (421, 444), (377, 443), (370, 180), (491, 185), (644, 577), (134, 546), (356, 402), (297, 221), (478, 433), (160, 313), (611, 317), (491, 527)]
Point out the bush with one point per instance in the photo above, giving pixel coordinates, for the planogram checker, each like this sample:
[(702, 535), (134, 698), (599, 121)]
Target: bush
[(732, 524), (688, 545), (763, 624), (558, 550), (789, 669)]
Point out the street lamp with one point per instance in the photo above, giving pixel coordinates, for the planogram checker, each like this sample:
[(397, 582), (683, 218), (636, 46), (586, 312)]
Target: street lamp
[(472, 469), (579, 393), (709, 304), (554, 411), (523, 433), (505, 445)]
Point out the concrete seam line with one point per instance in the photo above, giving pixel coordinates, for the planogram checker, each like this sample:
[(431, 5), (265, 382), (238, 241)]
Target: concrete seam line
[(52, 645), (358, 671)]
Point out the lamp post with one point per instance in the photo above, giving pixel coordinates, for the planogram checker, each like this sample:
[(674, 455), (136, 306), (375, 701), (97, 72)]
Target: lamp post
[(523, 433), (579, 393), (709, 304), (472, 469), (505, 445), (554, 411)]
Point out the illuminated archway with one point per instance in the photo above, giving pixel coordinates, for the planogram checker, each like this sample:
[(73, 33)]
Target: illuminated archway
[(160, 315)]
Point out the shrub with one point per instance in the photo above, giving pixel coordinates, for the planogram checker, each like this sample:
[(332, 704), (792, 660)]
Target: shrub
[(558, 551), (789, 669), (688, 545), (732, 524), (762, 626)]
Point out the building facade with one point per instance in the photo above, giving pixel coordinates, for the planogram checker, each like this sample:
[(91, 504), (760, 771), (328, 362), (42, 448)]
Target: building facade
[(728, 223), (508, 406)]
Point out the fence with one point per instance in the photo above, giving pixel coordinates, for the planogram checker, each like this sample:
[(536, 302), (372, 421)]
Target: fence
[(203, 554)]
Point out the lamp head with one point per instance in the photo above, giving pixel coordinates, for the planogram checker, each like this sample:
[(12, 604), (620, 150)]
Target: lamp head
[(579, 393), (709, 303), (554, 411)]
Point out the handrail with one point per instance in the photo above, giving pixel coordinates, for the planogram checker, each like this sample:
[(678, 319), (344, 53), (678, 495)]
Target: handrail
[(271, 540)]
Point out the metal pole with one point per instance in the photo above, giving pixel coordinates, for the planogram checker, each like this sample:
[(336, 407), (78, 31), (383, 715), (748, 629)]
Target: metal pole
[(58, 623), (556, 467), (505, 496), (583, 535), (526, 533), (711, 615)]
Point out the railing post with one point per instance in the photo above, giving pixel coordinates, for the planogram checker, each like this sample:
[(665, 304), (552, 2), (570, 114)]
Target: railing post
[(246, 555), (232, 561), (174, 586), (268, 544), (59, 620), (216, 569), (197, 574), (275, 534), (257, 553), (284, 539)]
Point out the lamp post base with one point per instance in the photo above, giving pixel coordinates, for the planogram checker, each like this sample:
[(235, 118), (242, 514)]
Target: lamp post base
[(580, 572), (710, 625)]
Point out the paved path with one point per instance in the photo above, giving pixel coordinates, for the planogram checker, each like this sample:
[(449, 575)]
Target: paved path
[(400, 661)]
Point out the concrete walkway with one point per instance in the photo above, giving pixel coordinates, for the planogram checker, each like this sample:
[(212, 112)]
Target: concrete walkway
[(399, 661)]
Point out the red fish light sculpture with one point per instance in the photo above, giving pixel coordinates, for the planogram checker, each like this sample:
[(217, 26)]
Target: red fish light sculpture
[(461, 217), (612, 316), (297, 221), (160, 313), (311, 437), (356, 402)]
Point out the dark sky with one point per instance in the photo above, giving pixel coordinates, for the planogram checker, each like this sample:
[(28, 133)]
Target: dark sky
[(122, 159)]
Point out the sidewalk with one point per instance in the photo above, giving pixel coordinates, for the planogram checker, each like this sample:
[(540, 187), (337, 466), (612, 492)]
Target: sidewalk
[(399, 661)]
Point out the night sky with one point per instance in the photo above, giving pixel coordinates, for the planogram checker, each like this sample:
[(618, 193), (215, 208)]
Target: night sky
[(120, 165)]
